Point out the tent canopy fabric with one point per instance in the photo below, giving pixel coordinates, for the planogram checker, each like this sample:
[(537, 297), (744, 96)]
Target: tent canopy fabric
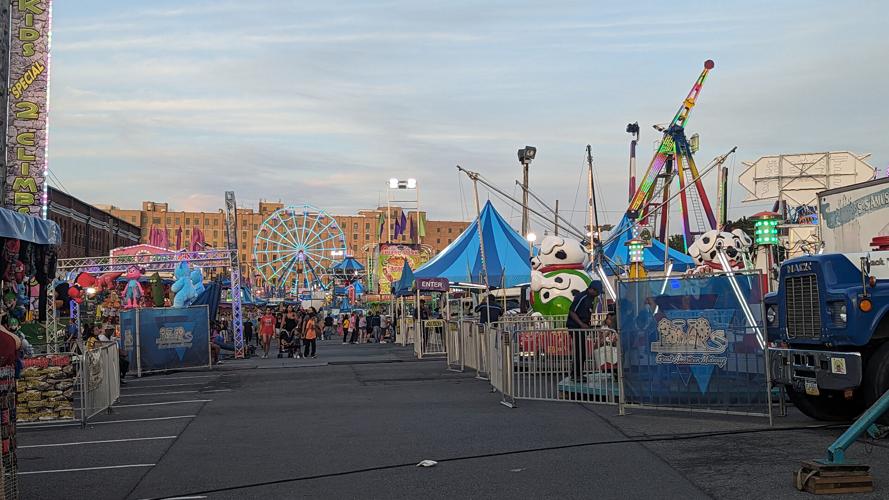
[(404, 284), (14, 225), (617, 251), (349, 264), (507, 256)]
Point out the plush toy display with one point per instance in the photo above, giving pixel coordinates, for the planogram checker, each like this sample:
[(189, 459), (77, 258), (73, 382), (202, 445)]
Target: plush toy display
[(157, 290), (133, 292), (197, 279), (182, 287), (558, 274)]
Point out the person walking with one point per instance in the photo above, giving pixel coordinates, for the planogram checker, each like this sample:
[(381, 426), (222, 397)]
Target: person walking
[(248, 332), (579, 321), (291, 324), (353, 328), (310, 333), (362, 329), (344, 329), (328, 327), (266, 331)]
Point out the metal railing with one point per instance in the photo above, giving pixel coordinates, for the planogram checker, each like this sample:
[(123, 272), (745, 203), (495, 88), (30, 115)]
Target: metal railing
[(562, 365), (456, 345), (430, 339), (101, 379)]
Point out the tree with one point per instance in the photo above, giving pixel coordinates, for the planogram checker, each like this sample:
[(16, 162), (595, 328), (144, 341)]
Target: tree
[(677, 242), (744, 223)]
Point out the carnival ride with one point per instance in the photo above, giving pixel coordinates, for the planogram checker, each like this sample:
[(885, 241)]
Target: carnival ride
[(295, 248), (674, 159)]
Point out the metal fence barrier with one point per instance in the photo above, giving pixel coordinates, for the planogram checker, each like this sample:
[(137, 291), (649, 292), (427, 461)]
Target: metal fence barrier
[(430, 339), (456, 345), (101, 379)]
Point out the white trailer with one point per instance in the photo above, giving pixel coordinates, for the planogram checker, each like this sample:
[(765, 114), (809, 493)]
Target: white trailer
[(851, 217)]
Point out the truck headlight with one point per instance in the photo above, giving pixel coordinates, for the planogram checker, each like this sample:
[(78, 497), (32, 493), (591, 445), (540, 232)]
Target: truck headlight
[(771, 314), (842, 313)]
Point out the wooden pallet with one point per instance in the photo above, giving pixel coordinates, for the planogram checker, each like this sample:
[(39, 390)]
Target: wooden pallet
[(822, 479)]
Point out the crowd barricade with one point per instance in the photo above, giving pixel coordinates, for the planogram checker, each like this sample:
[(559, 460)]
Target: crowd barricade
[(482, 349), (405, 333), (170, 338), (101, 379), (431, 336), (540, 359), (455, 348)]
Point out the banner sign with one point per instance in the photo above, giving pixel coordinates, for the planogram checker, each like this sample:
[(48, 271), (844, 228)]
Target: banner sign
[(128, 333), (26, 130), (691, 346), (173, 338), (391, 261), (432, 284)]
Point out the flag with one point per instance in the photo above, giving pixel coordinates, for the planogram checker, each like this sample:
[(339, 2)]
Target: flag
[(403, 223), (413, 230), (422, 229), (382, 223), (398, 228), (179, 238)]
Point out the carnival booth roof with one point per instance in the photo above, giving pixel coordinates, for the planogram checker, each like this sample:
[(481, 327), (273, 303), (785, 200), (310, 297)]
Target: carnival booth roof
[(348, 264), (16, 226), (617, 251), (404, 284), (506, 255)]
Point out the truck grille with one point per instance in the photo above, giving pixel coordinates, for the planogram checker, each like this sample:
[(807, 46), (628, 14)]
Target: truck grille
[(803, 306)]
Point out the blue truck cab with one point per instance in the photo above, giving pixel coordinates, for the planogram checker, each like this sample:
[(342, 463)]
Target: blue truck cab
[(828, 327)]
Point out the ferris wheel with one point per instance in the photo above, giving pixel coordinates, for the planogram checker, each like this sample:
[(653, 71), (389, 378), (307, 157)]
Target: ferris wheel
[(297, 245)]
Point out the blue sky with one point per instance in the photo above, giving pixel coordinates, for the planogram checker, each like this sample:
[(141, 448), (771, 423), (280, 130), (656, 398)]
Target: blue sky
[(321, 102)]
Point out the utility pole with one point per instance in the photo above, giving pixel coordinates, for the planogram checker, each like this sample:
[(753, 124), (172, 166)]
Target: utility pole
[(594, 213), (557, 218)]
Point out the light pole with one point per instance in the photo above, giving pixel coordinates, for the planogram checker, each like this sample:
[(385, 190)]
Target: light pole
[(526, 154), (531, 237)]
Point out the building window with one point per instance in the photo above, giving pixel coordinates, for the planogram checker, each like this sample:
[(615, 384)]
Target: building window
[(206, 222), (355, 237), (255, 227), (367, 226), (168, 220), (355, 226), (449, 241), (215, 222), (438, 230), (188, 221), (450, 230), (155, 220), (438, 241), (215, 234), (177, 221)]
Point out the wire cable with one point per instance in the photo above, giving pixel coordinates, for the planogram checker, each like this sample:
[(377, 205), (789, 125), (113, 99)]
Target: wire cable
[(647, 439)]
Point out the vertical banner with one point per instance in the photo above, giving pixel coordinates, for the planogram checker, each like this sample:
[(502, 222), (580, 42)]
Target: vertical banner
[(27, 107), (128, 321)]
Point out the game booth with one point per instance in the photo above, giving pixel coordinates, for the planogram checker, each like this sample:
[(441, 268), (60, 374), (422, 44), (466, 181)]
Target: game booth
[(153, 301)]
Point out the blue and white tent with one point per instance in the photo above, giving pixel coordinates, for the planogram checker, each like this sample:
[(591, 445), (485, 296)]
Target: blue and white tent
[(506, 255), (617, 251), (348, 265), (404, 284)]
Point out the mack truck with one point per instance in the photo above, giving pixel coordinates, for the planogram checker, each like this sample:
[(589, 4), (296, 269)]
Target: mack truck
[(829, 318)]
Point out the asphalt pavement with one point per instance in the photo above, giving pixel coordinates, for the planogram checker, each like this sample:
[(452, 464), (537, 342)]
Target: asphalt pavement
[(355, 421)]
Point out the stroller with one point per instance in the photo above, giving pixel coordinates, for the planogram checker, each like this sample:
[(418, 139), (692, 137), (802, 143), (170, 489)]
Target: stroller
[(289, 343)]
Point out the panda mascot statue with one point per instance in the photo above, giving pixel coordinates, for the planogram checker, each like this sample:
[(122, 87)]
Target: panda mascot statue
[(705, 250), (558, 273)]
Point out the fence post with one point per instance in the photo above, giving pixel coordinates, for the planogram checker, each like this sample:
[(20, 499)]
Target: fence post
[(621, 409)]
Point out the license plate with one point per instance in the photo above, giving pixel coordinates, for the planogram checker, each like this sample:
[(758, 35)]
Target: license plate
[(812, 388)]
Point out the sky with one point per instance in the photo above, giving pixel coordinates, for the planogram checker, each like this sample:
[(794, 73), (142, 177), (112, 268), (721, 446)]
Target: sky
[(322, 102)]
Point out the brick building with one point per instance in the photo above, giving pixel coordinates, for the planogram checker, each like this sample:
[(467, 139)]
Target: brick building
[(361, 230), (88, 231)]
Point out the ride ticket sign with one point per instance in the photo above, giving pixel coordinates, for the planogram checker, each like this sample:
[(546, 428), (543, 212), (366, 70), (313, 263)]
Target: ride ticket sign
[(26, 128), (432, 284)]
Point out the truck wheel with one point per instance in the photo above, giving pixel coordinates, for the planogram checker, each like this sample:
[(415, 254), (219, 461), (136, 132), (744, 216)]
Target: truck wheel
[(830, 406), (876, 379)]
